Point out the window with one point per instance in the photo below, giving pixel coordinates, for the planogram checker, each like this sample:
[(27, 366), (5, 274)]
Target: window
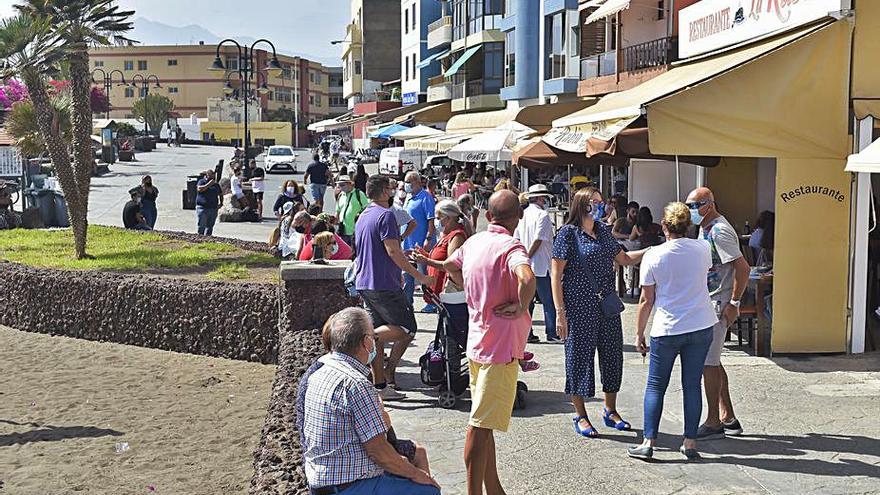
[(337, 101), (414, 18), (414, 66), (510, 58), (555, 46), (661, 10), (406, 68), (283, 95), (317, 78), (406, 20), (172, 90), (232, 63), (483, 14), (509, 7), (311, 100), (99, 63), (286, 72), (357, 67), (128, 65), (317, 100), (142, 65), (129, 92), (172, 62), (493, 68), (459, 19), (574, 44)]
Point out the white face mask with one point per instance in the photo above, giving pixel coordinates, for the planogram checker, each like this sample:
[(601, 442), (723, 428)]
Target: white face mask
[(438, 225), (291, 191)]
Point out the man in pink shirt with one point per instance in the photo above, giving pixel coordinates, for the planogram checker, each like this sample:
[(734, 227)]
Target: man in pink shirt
[(493, 267)]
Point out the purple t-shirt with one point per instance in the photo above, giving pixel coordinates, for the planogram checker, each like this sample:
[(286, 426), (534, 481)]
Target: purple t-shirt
[(375, 269)]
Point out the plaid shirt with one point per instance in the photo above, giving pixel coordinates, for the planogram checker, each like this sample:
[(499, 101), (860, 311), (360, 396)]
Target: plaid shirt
[(341, 411)]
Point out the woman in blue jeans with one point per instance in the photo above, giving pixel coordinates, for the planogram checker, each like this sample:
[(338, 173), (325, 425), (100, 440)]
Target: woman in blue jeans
[(673, 280)]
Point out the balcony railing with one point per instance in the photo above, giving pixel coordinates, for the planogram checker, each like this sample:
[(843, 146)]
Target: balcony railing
[(439, 23), (440, 32), (602, 64), (458, 90), (656, 53)]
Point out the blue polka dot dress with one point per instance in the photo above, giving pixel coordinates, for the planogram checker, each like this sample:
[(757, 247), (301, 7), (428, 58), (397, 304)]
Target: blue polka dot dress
[(589, 330)]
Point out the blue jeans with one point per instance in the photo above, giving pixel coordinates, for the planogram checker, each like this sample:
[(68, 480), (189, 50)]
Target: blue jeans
[(409, 282), (388, 484), (318, 191), (692, 347), (148, 210), (545, 294), (206, 217)]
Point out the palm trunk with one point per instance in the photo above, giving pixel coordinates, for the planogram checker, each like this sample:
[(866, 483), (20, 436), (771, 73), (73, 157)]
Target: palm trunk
[(83, 157), (58, 153)]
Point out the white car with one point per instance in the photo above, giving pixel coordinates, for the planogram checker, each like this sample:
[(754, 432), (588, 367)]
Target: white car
[(280, 158)]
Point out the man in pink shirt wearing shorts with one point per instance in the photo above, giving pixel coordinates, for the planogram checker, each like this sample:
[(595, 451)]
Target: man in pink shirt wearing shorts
[(493, 267)]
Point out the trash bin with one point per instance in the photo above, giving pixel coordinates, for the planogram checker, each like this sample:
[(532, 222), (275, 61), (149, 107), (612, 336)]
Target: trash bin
[(60, 206)]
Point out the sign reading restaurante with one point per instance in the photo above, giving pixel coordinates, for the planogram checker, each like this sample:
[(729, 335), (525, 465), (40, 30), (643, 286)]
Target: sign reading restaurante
[(712, 24)]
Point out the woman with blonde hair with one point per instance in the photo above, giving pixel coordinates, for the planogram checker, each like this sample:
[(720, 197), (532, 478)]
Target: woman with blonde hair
[(463, 185), (588, 309), (673, 280)]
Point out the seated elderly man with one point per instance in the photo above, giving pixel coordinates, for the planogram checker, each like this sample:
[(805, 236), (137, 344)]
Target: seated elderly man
[(343, 437)]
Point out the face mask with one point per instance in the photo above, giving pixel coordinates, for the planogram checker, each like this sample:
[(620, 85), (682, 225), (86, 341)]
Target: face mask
[(291, 191), (301, 230), (599, 211), (696, 218), (372, 355), (137, 200), (438, 226), (407, 188), (333, 249)]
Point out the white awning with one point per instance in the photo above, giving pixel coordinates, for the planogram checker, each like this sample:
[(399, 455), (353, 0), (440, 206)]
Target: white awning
[(867, 160), (495, 145), (610, 7), (418, 131), (590, 4)]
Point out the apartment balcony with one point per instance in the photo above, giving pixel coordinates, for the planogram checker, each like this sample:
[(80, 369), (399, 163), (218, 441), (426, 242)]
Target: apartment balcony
[(476, 94), (439, 89), (440, 32), (611, 71)]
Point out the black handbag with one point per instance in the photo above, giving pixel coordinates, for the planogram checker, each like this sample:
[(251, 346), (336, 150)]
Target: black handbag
[(609, 303)]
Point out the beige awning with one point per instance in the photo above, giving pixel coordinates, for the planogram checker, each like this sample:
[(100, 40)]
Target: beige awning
[(479, 121), (867, 160), (612, 113), (610, 7), (433, 114)]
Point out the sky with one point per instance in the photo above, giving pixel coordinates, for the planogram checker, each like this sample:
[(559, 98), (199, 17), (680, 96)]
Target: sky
[(305, 26)]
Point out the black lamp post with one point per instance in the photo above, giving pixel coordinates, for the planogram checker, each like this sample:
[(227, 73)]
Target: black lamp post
[(145, 90), (247, 74), (108, 84)]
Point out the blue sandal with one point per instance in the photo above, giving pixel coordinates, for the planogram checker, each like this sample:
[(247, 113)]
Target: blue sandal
[(620, 425), (590, 432)]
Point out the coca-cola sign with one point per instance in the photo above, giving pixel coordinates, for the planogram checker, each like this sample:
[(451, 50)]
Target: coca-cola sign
[(712, 24)]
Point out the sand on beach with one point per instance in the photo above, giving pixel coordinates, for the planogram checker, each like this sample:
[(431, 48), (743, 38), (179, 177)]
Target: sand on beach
[(190, 422)]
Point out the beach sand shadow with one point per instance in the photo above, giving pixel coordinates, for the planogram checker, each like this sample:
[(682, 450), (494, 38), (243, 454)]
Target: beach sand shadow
[(48, 433)]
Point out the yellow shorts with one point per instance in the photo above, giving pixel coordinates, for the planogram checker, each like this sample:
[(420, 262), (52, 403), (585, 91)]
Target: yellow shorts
[(493, 390)]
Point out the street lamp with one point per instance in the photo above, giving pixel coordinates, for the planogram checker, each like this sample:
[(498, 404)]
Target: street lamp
[(108, 84), (247, 73), (145, 90)]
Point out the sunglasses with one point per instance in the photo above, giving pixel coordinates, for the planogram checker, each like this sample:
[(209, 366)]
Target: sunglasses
[(696, 205)]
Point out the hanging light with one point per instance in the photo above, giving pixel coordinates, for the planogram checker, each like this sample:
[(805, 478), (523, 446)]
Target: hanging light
[(263, 89), (228, 89), (217, 65), (274, 68)]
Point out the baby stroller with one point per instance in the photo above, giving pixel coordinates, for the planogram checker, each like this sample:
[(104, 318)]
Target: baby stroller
[(444, 362)]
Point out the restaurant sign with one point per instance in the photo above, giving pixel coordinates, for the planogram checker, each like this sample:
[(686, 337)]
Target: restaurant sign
[(712, 24), (574, 138), (815, 190)]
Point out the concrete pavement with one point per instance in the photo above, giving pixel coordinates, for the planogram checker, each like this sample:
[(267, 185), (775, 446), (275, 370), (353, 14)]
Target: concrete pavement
[(812, 425)]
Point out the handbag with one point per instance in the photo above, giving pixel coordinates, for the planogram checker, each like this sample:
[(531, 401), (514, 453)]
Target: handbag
[(609, 303)]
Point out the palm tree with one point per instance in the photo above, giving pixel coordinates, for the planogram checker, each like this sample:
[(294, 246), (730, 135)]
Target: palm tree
[(80, 24)]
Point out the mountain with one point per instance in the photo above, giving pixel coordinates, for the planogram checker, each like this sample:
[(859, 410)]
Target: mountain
[(149, 32)]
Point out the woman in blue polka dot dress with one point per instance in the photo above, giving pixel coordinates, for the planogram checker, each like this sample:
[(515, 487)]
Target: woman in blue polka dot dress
[(585, 246)]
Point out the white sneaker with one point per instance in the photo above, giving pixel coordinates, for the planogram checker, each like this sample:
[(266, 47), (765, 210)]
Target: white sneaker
[(389, 393)]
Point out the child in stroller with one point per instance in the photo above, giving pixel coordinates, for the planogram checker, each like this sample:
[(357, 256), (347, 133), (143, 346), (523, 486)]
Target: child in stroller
[(444, 363)]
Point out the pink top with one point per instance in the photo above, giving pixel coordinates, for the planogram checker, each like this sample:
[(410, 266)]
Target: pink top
[(488, 261), (460, 188)]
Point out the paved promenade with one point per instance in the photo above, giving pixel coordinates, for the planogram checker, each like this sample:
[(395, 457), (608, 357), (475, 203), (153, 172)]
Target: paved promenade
[(812, 425)]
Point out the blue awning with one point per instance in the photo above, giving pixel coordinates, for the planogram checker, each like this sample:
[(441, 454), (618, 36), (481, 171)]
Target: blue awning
[(431, 58), (388, 130), (462, 60)]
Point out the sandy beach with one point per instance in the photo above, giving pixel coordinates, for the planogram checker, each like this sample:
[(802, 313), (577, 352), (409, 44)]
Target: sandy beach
[(97, 418)]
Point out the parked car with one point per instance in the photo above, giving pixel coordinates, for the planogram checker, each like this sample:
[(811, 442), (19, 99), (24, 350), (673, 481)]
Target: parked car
[(280, 158), (396, 162)]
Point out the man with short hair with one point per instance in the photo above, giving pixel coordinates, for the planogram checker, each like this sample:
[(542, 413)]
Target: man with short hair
[(728, 279), (132, 218), (209, 198), (343, 439), (257, 178), (319, 174), (420, 205), (535, 231), (379, 261), (349, 205), (499, 284)]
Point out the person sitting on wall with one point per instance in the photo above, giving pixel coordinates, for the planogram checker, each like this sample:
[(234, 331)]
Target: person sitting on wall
[(132, 217), (239, 200), (323, 235)]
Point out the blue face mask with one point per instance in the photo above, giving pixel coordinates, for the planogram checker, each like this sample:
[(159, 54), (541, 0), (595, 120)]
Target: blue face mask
[(372, 355), (598, 211), (407, 187), (437, 225), (696, 218)]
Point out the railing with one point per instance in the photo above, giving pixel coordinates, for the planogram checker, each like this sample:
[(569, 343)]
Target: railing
[(656, 53), (439, 23), (437, 80), (602, 64), (475, 87), (458, 91)]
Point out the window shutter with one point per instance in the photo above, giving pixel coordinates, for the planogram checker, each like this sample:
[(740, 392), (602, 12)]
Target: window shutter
[(592, 35)]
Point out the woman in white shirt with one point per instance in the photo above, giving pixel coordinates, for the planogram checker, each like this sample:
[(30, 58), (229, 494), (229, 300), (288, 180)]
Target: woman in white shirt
[(673, 280)]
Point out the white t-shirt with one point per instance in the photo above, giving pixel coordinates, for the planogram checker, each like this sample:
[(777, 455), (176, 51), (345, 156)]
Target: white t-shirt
[(535, 225), (677, 269), (235, 185)]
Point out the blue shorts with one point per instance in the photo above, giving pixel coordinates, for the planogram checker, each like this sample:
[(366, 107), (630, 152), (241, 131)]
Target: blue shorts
[(318, 191)]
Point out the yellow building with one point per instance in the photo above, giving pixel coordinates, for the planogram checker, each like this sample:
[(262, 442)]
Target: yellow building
[(184, 75), (262, 133)]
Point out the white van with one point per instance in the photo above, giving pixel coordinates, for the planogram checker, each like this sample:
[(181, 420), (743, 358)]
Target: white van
[(396, 162)]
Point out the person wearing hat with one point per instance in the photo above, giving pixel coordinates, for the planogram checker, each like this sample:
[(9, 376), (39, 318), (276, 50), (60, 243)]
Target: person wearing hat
[(132, 217), (349, 205), (535, 232)]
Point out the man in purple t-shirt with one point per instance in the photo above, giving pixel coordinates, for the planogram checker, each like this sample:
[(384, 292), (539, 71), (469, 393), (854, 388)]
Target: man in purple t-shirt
[(379, 260)]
